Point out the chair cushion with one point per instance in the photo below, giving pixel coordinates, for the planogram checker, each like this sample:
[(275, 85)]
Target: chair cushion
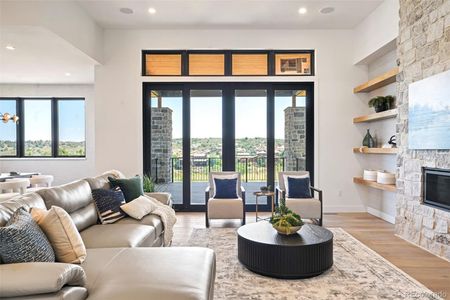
[(307, 208), (151, 220), (118, 235), (23, 241), (132, 188), (150, 273), (225, 188), (107, 203), (225, 208), (62, 233), (298, 187)]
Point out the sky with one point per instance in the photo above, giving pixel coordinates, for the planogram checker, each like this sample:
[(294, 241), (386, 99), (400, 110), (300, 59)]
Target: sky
[(250, 112), (37, 115)]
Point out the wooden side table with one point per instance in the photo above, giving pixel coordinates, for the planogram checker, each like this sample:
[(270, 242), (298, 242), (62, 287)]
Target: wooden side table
[(268, 194)]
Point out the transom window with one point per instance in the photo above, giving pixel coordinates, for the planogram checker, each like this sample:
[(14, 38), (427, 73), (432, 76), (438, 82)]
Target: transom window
[(47, 127)]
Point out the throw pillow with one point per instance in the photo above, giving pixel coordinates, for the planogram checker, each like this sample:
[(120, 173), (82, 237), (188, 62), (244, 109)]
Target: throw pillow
[(299, 187), (62, 233), (139, 207), (225, 188), (223, 176), (23, 241), (286, 183), (131, 187), (108, 204)]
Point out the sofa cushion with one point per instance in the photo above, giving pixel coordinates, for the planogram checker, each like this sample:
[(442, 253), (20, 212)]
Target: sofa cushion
[(8, 207), (23, 241), (152, 220), (101, 181), (76, 199), (108, 204), (132, 187), (118, 235), (156, 273)]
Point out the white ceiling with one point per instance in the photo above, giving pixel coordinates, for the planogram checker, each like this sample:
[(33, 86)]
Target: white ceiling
[(41, 57), (228, 14)]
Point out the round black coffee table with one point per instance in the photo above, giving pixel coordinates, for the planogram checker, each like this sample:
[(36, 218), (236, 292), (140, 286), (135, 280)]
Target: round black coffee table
[(305, 254)]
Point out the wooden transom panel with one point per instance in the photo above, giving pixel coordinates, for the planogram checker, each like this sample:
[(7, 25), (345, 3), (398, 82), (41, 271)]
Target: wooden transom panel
[(249, 64), (163, 64), (206, 64), (293, 64)]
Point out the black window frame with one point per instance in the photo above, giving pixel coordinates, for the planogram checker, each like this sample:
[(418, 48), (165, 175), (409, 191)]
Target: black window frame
[(20, 128), (228, 61)]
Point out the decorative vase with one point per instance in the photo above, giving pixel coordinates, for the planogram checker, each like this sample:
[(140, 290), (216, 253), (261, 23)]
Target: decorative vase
[(368, 140), (284, 230), (381, 107)]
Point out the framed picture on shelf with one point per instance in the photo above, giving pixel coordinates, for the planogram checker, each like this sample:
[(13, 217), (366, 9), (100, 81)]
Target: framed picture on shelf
[(293, 64)]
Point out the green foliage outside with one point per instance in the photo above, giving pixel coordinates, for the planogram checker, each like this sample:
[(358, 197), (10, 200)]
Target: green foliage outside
[(43, 148)]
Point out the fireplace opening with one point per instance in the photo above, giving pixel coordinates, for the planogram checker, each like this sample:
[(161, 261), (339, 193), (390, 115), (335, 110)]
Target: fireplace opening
[(436, 184)]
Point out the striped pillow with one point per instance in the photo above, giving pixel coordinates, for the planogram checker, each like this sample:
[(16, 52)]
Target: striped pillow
[(108, 204), (23, 241)]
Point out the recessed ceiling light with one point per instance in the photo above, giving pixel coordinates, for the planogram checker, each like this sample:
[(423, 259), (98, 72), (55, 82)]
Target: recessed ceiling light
[(10, 47), (326, 10), (126, 10), (67, 74), (302, 10), (152, 10)]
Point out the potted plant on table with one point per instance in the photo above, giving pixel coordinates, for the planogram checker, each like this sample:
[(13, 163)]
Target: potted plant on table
[(284, 220), (382, 103)]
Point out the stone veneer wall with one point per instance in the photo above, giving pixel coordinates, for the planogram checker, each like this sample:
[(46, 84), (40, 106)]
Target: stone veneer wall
[(423, 50), (294, 138), (161, 144)]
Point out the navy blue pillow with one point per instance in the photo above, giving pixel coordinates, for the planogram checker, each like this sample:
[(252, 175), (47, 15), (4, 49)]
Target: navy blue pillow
[(299, 187), (108, 204), (225, 188)]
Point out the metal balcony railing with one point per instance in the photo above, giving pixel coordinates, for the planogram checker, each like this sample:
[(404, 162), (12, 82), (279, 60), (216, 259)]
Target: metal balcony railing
[(252, 169)]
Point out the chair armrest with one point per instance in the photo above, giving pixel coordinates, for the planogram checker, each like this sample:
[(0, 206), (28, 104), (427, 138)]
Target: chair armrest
[(164, 198), (243, 194), (279, 193), (319, 191), (26, 279)]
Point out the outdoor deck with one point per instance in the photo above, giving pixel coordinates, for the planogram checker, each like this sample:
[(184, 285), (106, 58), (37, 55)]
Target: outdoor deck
[(198, 191)]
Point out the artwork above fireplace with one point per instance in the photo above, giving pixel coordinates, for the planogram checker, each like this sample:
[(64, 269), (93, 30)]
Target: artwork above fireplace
[(436, 184)]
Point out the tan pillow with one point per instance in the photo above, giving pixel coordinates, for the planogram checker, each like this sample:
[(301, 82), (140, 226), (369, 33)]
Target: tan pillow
[(62, 234), (139, 207)]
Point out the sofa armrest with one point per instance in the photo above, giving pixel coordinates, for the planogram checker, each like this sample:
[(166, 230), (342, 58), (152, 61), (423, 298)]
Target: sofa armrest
[(26, 279), (164, 198)]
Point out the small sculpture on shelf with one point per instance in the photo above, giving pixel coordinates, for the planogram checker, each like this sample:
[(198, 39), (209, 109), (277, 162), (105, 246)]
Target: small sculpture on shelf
[(392, 143)]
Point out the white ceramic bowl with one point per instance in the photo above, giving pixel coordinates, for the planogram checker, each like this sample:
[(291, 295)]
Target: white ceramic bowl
[(370, 175)]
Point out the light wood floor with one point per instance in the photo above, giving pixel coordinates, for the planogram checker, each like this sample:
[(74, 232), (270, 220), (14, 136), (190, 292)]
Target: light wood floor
[(377, 234)]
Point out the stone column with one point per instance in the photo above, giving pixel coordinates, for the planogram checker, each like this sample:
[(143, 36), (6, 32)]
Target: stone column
[(161, 144), (294, 138)]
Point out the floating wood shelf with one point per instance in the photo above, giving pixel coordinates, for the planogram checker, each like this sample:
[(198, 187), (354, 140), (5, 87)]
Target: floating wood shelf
[(374, 184), (392, 113), (377, 82), (366, 150)]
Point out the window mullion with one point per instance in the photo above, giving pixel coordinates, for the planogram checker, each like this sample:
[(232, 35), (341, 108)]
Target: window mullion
[(55, 129), (20, 130)]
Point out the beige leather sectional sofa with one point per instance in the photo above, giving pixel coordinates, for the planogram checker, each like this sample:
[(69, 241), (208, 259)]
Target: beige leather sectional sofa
[(124, 260)]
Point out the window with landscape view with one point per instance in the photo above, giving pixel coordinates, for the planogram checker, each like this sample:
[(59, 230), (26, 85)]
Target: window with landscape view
[(47, 127)]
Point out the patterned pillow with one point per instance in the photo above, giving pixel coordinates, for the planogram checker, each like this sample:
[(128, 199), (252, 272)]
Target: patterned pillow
[(108, 204), (23, 241)]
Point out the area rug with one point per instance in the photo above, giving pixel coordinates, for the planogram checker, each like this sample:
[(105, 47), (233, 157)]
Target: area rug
[(358, 273)]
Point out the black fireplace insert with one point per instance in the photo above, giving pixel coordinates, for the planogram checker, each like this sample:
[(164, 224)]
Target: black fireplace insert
[(436, 191)]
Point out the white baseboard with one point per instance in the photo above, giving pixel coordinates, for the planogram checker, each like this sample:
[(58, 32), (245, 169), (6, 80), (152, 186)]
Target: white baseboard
[(344, 208), (381, 215)]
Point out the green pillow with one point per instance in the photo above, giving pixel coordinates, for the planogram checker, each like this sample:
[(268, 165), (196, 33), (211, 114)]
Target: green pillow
[(130, 187)]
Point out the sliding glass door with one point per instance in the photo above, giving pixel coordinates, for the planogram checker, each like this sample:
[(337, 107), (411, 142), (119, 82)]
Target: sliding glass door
[(257, 129)]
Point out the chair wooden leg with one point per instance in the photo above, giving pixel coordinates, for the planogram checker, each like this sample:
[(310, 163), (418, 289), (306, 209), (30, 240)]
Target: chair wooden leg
[(206, 220)]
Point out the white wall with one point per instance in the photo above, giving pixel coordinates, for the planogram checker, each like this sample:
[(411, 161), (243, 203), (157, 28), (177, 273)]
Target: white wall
[(377, 33), (64, 170), (118, 94)]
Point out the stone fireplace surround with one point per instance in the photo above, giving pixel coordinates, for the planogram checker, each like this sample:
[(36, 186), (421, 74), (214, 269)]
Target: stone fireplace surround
[(423, 50)]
